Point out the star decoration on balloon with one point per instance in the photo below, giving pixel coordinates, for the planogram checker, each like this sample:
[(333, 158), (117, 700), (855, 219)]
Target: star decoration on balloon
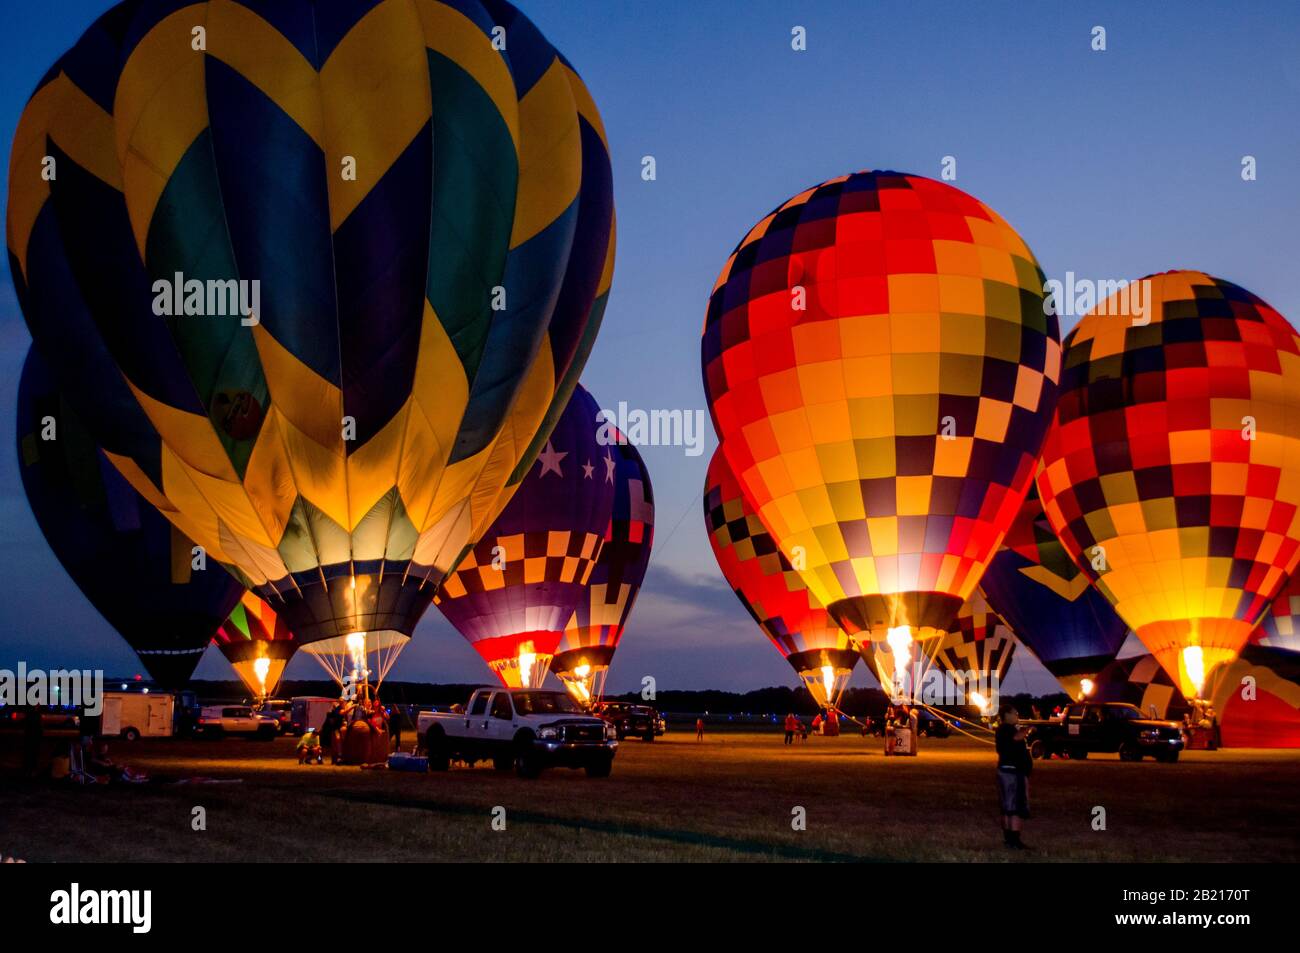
[(550, 459)]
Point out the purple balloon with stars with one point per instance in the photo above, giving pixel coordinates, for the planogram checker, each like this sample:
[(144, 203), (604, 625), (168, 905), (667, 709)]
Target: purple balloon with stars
[(513, 593)]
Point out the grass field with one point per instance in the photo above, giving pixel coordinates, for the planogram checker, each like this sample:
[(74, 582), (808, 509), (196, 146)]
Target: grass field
[(729, 797)]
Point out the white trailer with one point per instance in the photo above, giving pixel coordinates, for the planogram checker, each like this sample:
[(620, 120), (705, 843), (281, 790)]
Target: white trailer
[(133, 715), (308, 711)]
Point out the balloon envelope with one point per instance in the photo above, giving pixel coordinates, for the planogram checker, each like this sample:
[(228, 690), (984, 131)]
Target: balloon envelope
[(348, 259), (592, 635), (980, 648), (1280, 628), (133, 566), (1051, 606), (1172, 470), (771, 591), (881, 369), (257, 644), (515, 591)]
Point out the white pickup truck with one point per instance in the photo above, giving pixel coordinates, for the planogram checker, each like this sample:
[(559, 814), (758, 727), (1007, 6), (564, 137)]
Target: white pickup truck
[(522, 728)]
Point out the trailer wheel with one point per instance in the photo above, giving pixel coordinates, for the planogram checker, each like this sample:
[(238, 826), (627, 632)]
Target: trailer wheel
[(1037, 750), (131, 734)]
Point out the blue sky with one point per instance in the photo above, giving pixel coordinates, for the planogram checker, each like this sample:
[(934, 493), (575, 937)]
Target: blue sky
[(1110, 164)]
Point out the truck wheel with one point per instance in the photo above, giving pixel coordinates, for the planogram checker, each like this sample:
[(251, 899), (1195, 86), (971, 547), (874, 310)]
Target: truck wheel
[(1129, 752), (528, 764), (650, 735), (436, 748), (1078, 754), (130, 734), (601, 768), (1037, 750)]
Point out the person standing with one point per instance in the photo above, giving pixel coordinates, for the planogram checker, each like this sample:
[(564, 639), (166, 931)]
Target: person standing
[(329, 732), (1014, 767), (33, 738), (699, 729), (789, 728), (395, 727)]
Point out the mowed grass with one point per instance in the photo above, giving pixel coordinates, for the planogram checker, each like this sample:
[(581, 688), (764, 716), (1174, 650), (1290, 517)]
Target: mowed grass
[(730, 797)]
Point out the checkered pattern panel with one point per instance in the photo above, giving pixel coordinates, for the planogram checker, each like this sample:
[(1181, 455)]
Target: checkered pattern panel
[(1172, 470), (758, 572), (556, 556), (980, 642), (1281, 626), (881, 367)]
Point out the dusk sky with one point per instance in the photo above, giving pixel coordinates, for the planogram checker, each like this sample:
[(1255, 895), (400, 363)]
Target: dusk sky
[(1110, 164)]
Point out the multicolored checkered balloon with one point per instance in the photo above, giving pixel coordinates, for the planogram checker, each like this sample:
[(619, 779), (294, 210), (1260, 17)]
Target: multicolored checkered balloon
[(1280, 628), (881, 368), (1172, 469), (772, 591)]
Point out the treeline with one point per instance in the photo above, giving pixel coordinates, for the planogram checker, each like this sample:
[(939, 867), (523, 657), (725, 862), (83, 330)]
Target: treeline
[(776, 700)]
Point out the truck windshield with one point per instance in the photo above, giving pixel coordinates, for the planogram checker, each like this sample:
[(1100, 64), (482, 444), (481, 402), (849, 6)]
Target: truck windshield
[(546, 703)]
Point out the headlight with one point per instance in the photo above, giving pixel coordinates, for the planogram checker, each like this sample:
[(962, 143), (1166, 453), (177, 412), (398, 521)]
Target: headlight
[(611, 733), (550, 732)]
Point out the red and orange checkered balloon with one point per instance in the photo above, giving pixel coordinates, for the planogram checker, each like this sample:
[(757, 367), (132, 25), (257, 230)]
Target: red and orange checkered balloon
[(881, 368), (770, 589), (1172, 469)]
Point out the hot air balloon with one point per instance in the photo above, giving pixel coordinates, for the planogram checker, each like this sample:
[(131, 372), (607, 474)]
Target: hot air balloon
[(972, 657), (346, 261), (135, 568), (583, 656), (881, 370), (1051, 606), (257, 644), (1280, 628), (1267, 716), (1139, 680), (978, 652), (1172, 470), (773, 593), (514, 592)]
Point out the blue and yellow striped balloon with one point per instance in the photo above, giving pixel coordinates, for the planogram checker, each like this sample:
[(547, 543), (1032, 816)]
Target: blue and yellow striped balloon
[(411, 197)]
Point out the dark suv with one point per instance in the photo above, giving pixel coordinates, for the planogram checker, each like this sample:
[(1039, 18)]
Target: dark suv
[(640, 721)]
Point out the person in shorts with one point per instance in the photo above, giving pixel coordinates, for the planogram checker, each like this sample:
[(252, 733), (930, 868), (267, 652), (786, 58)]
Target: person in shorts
[(1014, 767)]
